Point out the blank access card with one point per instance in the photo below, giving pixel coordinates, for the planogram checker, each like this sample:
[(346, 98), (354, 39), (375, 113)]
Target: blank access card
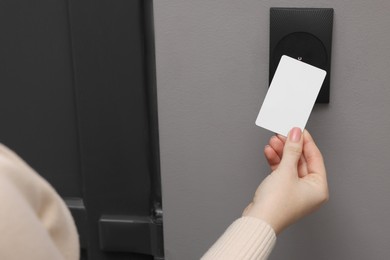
[(291, 96)]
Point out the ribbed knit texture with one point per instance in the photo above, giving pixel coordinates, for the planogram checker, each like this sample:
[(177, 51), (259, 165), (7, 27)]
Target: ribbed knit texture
[(247, 238)]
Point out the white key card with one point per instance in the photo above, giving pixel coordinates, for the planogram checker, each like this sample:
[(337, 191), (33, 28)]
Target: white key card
[(291, 96)]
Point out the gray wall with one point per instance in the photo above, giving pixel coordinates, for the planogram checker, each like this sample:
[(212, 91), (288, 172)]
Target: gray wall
[(212, 74)]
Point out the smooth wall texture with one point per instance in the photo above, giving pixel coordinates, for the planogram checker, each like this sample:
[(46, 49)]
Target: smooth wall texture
[(212, 75)]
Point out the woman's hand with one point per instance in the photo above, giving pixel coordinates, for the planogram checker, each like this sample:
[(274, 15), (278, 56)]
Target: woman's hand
[(297, 185)]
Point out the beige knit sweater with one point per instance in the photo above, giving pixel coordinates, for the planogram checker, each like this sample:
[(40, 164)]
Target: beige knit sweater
[(35, 223), (247, 238)]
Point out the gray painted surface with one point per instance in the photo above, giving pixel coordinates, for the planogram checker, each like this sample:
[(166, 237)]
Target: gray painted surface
[(212, 74)]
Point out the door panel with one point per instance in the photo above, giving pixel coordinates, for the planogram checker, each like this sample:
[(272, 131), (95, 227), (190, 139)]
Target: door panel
[(78, 103), (37, 99)]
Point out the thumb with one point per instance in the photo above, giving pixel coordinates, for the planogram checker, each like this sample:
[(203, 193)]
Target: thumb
[(292, 150)]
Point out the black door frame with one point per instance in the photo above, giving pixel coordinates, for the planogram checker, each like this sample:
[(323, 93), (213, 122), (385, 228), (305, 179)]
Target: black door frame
[(112, 233)]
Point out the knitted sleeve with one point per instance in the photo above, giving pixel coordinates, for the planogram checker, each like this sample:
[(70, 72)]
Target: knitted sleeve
[(35, 223), (247, 238)]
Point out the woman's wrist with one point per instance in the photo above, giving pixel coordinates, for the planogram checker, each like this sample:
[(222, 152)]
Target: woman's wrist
[(255, 211)]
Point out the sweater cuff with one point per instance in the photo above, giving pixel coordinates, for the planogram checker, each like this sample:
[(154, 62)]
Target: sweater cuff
[(246, 238)]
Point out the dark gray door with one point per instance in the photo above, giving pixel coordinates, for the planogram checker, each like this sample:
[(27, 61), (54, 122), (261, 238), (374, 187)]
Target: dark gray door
[(78, 103)]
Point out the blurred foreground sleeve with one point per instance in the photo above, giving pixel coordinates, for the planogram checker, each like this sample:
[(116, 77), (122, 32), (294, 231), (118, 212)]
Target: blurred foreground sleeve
[(35, 223)]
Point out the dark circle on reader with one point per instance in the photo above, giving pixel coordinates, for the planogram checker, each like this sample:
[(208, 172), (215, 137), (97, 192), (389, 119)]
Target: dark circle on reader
[(302, 46)]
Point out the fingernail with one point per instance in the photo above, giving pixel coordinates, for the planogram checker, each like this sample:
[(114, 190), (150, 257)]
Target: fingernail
[(295, 134)]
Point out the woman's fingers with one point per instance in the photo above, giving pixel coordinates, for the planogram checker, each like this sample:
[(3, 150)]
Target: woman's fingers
[(277, 143), (272, 157)]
